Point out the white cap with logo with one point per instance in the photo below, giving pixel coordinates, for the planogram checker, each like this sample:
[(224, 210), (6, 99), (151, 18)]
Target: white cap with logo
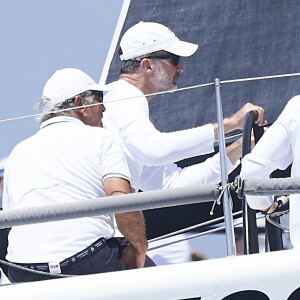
[(67, 83), (147, 37)]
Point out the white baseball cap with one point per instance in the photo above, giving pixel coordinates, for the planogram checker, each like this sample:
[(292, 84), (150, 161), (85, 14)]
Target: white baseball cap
[(67, 83), (147, 37)]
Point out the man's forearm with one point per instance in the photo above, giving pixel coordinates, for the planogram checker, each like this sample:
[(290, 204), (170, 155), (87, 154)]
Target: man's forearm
[(234, 151), (132, 226)]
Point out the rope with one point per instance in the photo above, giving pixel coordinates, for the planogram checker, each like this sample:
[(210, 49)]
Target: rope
[(260, 78), (10, 264), (276, 224), (191, 228), (38, 114), (218, 201), (197, 235), (164, 92)]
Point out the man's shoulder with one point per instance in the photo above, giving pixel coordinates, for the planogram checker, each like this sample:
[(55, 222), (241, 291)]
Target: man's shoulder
[(292, 107), (121, 90), (295, 101), (98, 132)]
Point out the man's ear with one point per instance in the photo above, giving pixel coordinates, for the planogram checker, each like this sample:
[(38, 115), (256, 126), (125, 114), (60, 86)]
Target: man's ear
[(78, 101), (146, 64)]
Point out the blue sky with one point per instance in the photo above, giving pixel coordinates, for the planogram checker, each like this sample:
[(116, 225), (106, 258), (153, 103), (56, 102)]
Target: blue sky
[(38, 37)]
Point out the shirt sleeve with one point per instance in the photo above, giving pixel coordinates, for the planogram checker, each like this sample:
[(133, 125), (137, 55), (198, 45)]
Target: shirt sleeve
[(272, 152), (171, 176), (113, 161), (146, 144)]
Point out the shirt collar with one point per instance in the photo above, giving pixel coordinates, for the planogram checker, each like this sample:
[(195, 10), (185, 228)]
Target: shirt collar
[(60, 119)]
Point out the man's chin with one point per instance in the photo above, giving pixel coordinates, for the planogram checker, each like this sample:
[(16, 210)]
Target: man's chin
[(173, 87), (170, 88)]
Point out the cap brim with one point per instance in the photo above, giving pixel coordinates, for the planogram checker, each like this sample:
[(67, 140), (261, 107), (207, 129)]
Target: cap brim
[(99, 87), (182, 48)]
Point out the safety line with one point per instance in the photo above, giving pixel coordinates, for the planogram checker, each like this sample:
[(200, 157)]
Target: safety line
[(259, 78), (187, 229), (197, 235), (161, 93), (16, 266)]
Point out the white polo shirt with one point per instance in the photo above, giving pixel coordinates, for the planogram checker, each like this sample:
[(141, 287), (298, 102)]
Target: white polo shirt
[(277, 149), (65, 161)]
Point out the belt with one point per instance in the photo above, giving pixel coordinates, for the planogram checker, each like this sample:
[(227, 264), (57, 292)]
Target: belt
[(55, 267)]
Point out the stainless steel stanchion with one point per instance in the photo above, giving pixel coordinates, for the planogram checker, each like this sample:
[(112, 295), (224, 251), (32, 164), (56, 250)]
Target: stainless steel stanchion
[(228, 218)]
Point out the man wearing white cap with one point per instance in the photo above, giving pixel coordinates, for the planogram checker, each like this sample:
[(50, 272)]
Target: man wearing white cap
[(68, 161), (150, 54)]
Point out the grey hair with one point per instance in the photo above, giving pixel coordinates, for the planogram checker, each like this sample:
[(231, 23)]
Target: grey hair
[(129, 66), (60, 109)]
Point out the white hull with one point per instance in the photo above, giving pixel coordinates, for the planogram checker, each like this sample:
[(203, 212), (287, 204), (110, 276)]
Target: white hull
[(276, 274)]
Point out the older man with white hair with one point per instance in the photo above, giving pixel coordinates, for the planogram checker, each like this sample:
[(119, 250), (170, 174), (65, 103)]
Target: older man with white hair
[(70, 159)]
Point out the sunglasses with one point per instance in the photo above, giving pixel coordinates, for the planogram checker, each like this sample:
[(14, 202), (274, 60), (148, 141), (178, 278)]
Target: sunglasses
[(175, 59), (99, 95), (88, 93)]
